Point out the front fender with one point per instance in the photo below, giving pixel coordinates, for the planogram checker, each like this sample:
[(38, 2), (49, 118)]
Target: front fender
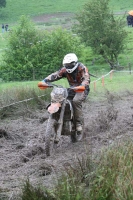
[(54, 107)]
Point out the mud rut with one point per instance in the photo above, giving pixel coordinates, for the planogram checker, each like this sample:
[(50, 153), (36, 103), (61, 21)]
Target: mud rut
[(22, 142)]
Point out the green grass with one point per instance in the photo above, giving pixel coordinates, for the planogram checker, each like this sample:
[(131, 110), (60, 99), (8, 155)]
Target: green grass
[(121, 5), (114, 174), (14, 9), (108, 176), (17, 91), (121, 83), (11, 85), (34, 8), (26, 84)]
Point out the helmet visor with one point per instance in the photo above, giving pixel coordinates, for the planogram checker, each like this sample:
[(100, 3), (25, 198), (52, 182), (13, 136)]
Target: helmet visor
[(69, 65)]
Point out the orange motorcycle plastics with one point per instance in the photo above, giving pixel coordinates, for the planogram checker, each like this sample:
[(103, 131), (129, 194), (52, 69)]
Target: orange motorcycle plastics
[(54, 107), (80, 88), (43, 85)]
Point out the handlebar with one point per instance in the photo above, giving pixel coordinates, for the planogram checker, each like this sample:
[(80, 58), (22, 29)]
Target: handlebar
[(43, 85)]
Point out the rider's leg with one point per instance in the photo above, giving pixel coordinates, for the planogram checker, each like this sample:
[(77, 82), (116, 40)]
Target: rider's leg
[(77, 104)]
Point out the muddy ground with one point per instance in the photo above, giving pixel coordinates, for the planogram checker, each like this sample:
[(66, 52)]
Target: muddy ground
[(55, 20), (62, 19), (22, 142)]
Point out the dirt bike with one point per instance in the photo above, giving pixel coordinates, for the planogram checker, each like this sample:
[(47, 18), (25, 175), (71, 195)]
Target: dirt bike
[(61, 119)]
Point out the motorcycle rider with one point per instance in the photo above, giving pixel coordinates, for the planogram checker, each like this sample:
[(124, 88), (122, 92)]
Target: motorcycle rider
[(76, 74)]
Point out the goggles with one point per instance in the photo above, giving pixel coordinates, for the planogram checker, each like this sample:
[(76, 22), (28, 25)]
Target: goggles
[(69, 65)]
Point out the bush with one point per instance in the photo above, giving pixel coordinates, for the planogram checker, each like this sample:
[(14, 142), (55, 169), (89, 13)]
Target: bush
[(33, 55)]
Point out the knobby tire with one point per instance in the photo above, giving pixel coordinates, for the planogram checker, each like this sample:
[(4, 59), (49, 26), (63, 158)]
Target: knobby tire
[(50, 126)]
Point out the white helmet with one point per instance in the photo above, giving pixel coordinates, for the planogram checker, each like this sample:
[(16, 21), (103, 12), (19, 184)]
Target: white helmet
[(70, 62)]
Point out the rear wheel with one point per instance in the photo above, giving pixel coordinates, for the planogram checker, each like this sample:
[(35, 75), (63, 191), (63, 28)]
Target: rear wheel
[(48, 135)]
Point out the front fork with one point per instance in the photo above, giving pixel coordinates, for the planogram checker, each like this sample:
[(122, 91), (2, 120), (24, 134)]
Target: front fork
[(60, 122)]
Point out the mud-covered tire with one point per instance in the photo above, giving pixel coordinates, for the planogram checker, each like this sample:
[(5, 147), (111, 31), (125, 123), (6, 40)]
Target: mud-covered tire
[(48, 135)]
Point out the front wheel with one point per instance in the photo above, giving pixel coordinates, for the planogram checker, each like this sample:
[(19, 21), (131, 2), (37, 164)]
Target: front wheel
[(48, 135)]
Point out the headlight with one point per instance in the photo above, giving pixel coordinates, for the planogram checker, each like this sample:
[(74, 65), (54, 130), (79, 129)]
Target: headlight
[(57, 95)]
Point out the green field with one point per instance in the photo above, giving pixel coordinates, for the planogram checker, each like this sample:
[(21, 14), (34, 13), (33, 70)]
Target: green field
[(12, 12), (14, 9)]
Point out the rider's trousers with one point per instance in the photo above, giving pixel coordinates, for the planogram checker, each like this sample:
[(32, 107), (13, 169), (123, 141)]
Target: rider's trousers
[(77, 99), (77, 104)]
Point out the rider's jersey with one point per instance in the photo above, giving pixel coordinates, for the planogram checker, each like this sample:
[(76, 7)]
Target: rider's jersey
[(80, 76)]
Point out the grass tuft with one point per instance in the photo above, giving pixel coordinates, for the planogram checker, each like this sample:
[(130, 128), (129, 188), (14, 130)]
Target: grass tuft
[(109, 176), (35, 193), (114, 175), (73, 182)]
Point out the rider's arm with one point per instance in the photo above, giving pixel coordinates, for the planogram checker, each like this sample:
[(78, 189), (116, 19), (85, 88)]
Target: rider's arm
[(85, 77), (54, 76)]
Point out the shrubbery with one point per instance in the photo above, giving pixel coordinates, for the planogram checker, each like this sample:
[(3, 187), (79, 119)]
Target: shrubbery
[(32, 54), (109, 177)]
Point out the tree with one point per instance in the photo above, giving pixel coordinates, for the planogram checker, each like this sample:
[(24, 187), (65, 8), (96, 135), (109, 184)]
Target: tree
[(17, 57), (2, 3), (100, 30), (33, 54)]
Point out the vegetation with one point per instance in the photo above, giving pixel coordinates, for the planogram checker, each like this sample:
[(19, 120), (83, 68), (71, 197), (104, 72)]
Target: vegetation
[(34, 193), (108, 38), (17, 54), (2, 3), (23, 61), (113, 177), (29, 51), (108, 177)]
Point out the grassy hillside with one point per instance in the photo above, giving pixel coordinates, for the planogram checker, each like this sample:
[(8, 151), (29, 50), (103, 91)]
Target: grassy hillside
[(14, 8), (12, 12)]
